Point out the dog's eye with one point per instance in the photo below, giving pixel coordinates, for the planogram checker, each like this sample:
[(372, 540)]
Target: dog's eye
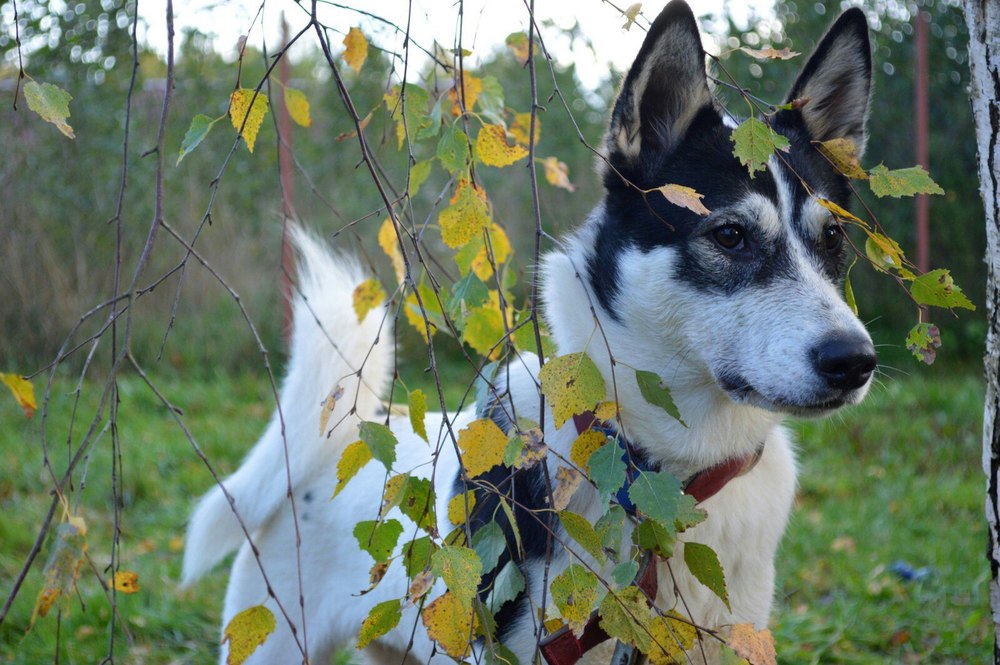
[(833, 237), (729, 237)]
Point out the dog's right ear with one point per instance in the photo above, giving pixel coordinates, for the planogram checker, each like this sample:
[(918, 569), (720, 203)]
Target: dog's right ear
[(663, 91)]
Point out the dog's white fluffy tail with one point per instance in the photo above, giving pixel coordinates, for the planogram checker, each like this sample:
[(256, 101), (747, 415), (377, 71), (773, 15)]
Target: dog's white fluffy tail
[(329, 350)]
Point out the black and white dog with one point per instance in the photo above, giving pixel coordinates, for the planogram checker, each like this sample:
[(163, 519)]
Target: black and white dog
[(740, 312)]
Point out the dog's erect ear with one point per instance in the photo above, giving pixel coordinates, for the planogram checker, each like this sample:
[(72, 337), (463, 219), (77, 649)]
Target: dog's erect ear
[(837, 82), (664, 89)]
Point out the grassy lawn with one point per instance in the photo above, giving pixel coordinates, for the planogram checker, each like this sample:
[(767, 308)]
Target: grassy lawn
[(896, 480)]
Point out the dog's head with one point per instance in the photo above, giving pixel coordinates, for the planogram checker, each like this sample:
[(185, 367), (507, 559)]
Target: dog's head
[(747, 298)]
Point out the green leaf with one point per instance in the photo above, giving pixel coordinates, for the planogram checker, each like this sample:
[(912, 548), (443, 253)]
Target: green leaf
[(378, 538), (431, 129), (704, 564), (416, 501), (624, 573), (655, 537), (580, 530), (490, 100), (625, 616), (466, 294), (380, 441), (688, 513), (352, 460), (937, 288), (196, 133), (923, 341), (489, 543), (607, 469), (901, 182), (572, 384), (507, 586), (884, 252), (50, 102), (417, 555), (380, 620), (656, 495), (657, 393), (754, 143), (849, 290), (417, 403), (461, 570), (419, 173), (574, 593), (611, 528), (453, 149), (417, 118)]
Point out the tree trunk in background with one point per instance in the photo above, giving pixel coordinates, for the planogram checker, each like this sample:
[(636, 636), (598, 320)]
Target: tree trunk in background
[(983, 19)]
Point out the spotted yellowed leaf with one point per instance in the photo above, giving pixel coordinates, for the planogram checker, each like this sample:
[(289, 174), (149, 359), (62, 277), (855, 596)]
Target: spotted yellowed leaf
[(631, 13), (567, 481), (461, 569), (938, 289), (606, 410), (843, 155), (572, 384), (582, 531), (839, 212), (520, 128), (584, 446), (670, 636), (901, 182), (66, 554), (241, 111), (298, 107), (482, 444), (387, 241), (492, 147), (470, 88), (465, 217), (757, 646), (23, 392), (625, 616), (451, 624), (557, 174), (246, 631), (685, 197), (354, 457), (125, 581), (355, 49), (517, 42), (770, 53), (367, 296), (380, 620), (574, 593), (328, 405), (457, 514), (51, 103)]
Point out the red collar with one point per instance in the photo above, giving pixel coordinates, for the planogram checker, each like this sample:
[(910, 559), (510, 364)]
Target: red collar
[(563, 647)]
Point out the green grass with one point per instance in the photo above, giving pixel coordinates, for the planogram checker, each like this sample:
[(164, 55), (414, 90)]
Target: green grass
[(896, 479)]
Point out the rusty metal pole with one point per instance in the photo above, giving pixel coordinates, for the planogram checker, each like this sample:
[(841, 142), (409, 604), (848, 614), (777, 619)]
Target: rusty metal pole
[(922, 103), (285, 178)]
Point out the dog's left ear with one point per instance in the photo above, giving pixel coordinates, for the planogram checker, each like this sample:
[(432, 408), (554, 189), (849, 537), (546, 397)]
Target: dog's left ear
[(837, 81)]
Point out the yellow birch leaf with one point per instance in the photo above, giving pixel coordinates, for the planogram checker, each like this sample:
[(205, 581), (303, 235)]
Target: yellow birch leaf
[(23, 391), (125, 581), (298, 107), (471, 87), (465, 217), (517, 42), (574, 594), (606, 410), (557, 174), (520, 129), (246, 631), (240, 110), (327, 407), (671, 636), (757, 646), (62, 568), (417, 403), (500, 246), (387, 241), (380, 620), (450, 624), (367, 296), (482, 444), (456, 507), (843, 154), (685, 197), (493, 150), (354, 457), (50, 102), (354, 132), (356, 50), (567, 482), (572, 384), (839, 212), (584, 446)]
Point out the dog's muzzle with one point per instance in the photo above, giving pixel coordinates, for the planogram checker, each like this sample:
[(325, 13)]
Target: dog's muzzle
[(844, 361)]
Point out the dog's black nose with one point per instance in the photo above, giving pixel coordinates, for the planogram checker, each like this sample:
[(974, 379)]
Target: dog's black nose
[(845, 361)]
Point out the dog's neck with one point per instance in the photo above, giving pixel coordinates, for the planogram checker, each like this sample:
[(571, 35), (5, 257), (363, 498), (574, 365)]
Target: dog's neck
[(715, 428)]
